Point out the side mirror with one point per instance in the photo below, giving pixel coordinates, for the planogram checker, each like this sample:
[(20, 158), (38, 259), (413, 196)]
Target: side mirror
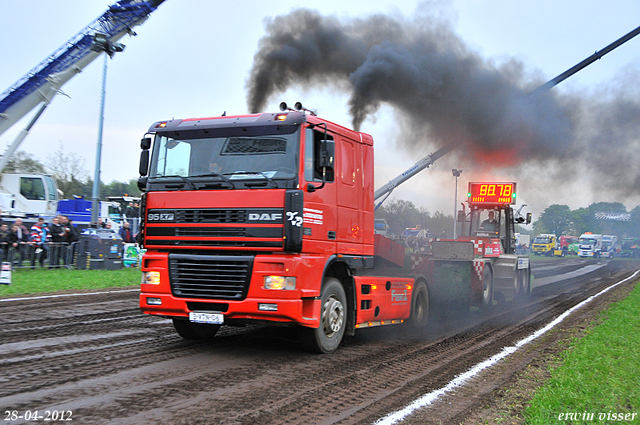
[(324, 163), (145, 143), (144, 162), (142, 184), (326, 154), (528, 218), (460, 216)]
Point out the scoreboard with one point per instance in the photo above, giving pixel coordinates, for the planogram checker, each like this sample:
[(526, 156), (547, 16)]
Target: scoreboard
[(492, 193)]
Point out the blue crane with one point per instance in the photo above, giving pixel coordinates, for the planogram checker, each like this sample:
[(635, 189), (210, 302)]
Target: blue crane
[(42, 83)]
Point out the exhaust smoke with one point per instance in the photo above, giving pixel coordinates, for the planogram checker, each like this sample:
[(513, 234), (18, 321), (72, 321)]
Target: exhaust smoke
[(446, 94)]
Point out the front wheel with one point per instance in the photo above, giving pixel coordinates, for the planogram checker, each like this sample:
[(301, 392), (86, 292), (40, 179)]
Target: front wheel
[(333, 320), (190, 330)]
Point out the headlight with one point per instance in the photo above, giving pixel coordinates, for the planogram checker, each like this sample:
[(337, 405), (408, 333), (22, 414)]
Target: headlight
[(151, 278), (280, 282)]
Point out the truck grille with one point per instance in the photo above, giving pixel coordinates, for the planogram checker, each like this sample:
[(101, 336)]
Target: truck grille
[(210, 276), (253, 228), (211, 216)]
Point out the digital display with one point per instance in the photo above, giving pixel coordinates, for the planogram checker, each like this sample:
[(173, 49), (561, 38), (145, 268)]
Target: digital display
[(492, 193)]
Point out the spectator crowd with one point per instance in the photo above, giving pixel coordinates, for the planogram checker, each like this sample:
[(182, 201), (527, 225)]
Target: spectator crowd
[(41, 241)]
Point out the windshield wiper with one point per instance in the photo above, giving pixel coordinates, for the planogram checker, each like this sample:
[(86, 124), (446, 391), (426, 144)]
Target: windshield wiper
[(255, 173), (182, 178), (222, 176)]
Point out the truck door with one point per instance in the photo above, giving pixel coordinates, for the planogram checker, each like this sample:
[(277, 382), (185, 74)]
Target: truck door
[(320, 222), (349, 196)]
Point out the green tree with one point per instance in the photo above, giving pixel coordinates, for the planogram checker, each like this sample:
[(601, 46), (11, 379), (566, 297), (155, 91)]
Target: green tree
[(116, 188), (439, 223), (22, 162), (633, 228), (68, 170), (582, 221), (604, 226), (399, 214), (554, 219), (402, 214)]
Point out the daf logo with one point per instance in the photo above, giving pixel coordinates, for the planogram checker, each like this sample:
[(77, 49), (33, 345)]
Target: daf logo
[(265, 217)]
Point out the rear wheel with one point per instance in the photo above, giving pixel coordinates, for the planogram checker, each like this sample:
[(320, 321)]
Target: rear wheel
[(419, 306), (487, 287), (333, 320), (524, 282), (190, 330)]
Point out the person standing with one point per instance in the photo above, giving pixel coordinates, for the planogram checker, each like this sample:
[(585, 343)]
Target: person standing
[(58, 239), (126, 234), (21, 240), (5, 236), (38, 238)]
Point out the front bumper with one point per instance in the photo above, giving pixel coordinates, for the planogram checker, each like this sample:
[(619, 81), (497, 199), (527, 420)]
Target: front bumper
[(300, 305)]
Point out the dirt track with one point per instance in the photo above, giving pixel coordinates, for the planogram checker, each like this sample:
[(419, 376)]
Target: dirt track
[(99, 358)]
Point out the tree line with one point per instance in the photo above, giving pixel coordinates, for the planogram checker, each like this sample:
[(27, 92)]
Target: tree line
[(401, 214), (73, 179), (67, 168), (607, 218)]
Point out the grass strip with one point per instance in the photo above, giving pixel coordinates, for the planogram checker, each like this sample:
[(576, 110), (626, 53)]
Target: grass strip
[(599, 375), (39, 280)]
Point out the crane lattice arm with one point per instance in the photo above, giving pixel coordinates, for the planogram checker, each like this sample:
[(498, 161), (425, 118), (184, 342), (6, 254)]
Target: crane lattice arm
[(41, 84)]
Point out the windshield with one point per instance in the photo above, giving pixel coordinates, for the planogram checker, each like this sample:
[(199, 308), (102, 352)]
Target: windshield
[(234, 157), (584, 241), (540, 240)]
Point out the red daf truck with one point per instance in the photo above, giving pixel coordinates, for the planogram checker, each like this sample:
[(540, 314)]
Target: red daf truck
[(270, 218)]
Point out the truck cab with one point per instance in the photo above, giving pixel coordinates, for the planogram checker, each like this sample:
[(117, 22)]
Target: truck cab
[(565, 246), (265, 217), (544, 244), (28, 195), (590, 245), (609, 246), (630, 247)]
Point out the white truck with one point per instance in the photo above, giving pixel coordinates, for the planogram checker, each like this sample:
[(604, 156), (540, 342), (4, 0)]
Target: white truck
[(609, 246), (590, 245), (28, 196)]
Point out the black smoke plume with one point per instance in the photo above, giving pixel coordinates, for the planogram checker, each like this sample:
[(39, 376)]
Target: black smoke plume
[(449, 95)]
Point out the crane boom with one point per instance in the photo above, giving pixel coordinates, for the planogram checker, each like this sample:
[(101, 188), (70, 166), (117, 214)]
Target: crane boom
[(431, 158), (42, 83)]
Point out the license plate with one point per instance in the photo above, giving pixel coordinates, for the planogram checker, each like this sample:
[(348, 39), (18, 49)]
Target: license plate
[(211, 318)]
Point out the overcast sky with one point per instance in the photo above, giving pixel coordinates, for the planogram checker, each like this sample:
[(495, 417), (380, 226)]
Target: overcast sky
[(192, 58)]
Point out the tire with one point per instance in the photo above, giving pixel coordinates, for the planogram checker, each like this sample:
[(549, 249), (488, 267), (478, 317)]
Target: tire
[(194, 331), (419, 317), (487, 288), (524, 281), (333, 320)]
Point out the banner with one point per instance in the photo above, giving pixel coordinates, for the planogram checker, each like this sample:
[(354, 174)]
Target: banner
[(132, 255), (613, 216)]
